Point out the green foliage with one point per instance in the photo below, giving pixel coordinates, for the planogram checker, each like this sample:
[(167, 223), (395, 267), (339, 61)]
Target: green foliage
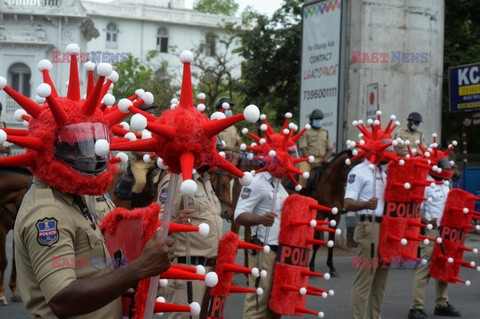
[(225, 7), (462, 46), (151, 75), (271, 70)]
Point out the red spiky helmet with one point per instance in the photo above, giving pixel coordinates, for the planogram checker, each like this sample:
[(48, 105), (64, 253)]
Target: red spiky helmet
[(439, 161), (62, 126), (183, 138), (273, 149)]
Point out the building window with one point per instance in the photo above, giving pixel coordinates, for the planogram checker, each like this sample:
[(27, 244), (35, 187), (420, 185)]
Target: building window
[(112, 32), (210, 43), (19, 76), (162, 40)]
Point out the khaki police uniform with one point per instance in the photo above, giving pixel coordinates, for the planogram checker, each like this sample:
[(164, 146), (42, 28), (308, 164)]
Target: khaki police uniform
[(317, 143), (257, 199), (103, 206), (203, 251), (230, 137), (431, 210), (405, 134), (55, 245), (369, 285)]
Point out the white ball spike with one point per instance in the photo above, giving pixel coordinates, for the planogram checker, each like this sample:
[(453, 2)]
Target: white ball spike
[(188, 187), (102, 147)]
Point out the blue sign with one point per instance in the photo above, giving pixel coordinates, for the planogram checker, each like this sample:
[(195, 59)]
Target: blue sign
[(464, 86)]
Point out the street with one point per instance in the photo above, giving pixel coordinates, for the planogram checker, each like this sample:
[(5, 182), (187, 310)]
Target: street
[(396, 301)]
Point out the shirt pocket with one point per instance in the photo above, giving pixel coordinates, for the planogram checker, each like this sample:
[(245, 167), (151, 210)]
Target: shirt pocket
[(99, 253)]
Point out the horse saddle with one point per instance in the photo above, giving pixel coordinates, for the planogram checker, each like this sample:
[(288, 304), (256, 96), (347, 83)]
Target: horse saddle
[(124, 185)]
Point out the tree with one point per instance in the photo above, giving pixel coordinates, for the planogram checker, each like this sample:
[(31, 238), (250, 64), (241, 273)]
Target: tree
[(225, 7), (271, 69), (151, 75), (461, 46)]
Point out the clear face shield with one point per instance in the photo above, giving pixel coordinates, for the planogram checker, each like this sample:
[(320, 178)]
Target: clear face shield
[(444, 164), (75, 145)]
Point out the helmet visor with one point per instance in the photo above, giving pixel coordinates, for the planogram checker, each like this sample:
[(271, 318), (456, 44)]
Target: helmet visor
[(444, 164)]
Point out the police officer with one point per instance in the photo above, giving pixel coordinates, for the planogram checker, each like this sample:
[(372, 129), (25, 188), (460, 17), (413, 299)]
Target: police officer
[(432, 212), (140, 170), (369, 285), (62, 260), (254, 209), (4, 150), (410, 133), (314, 142), (203, 207)]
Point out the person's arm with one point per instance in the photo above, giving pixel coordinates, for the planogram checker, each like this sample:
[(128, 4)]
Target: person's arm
[(249, 219), (352, 205), (327, 155), (86, 295)]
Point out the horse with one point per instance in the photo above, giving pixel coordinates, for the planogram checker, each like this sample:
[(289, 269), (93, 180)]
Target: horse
[(327, 186), (14, 183), (149, 193)]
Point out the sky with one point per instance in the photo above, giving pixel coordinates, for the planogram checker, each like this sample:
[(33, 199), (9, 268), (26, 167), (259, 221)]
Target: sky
[(267, 7)]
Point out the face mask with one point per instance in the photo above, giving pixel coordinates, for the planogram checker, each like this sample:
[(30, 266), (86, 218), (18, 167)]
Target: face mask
[(228, 113), (414, 127), (384, 167), (317, 123)]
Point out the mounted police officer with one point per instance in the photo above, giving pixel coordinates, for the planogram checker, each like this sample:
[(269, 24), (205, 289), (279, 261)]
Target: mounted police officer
[(410, 133), (316, 143)]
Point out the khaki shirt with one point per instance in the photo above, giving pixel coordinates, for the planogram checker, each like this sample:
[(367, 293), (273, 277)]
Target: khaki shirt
[(316, 141), (54, 246), (405, 134), (207, 210), (230, 137), (103, 206)]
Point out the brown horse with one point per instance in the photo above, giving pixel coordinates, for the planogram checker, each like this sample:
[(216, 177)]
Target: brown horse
[(327, 186), (149, 193), (14, 182)]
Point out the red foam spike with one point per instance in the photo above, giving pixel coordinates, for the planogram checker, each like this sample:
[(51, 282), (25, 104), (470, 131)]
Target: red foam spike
[(186, 94), (181, 228), (408, 256), (90, 83), (115, 160), (305, 310), (458, 279), (30, 106), (363, 129), (418, 198), (25, 160), (289, 288), (359, 155), (238, 289), (14, 131), (169, 307), (135, 109), (173, 273), (312, 288), (237, 269), (73, 82), (326, 229), (393, 237), (146, 145), (226, 165), (184, 268), (299, 160), (292, 178), (372, 158), (246, 245), (90, 105), (163, 130), (30, 142), (133, 97), (187, 160), (298, 135), (388, 125), (285, 123), (105, 88), (254, 137), (212, 128), (320, 207), (115, 116), (297, 222), (422, 165), (59, 114), (120, 131), (120, 140), (316, 242), (309, 273), (269, 130), (263, 169), (415, 223), (47, 79), (294, 170)]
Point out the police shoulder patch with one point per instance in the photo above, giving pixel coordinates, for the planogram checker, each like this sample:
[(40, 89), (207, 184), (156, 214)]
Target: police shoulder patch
[(47, 231), (246, 193), (351, 178), (163, 195)]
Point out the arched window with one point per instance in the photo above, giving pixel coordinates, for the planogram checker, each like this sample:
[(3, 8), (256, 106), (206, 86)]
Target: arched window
[(19, 76), (162, 39), (112, 31)]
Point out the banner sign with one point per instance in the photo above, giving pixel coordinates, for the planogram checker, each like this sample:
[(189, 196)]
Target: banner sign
[(464, 86), (321, 63)]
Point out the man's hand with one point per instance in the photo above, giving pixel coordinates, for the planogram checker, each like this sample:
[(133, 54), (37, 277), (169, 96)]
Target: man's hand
[(156, 256), (372, 203), (184, 216), (4, 149), (267, 219)]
